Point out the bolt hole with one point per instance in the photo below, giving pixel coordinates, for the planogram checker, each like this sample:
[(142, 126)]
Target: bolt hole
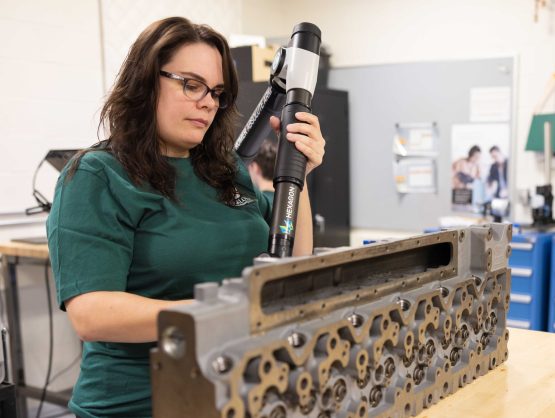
[(404, 304), (296, 340), (444, 292), (356, 320), (361, 359), (379, 373), (267, 367)]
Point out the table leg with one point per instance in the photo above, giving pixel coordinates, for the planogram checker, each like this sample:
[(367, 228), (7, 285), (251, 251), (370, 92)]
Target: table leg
[(14, 331)]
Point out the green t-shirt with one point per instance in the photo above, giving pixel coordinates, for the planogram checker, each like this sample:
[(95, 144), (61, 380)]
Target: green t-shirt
[(106, 234), (270, 195)]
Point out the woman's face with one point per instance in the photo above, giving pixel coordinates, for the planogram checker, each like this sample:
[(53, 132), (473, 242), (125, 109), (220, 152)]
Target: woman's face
[(475, 157), (182, 122)]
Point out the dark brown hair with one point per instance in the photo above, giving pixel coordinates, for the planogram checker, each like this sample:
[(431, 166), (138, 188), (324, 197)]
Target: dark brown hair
[(266, 158), (130, 112), (473, 150)]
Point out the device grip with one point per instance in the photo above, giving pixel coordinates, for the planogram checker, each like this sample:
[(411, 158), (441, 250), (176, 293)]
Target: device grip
[(258, 126), (290, 163)]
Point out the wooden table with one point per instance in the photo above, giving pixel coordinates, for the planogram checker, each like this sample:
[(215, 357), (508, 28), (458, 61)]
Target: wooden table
[(522, 387), (14, 253), (17, 249)]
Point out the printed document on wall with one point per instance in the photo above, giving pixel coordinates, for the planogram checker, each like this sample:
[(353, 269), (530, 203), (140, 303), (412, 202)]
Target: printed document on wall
[(490, 104)]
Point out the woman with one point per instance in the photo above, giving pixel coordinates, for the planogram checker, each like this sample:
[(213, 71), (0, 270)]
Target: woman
[(466, 170), (162, 204)]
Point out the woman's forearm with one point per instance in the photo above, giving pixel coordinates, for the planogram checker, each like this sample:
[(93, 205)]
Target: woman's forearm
[(303, 244), (116, 316)]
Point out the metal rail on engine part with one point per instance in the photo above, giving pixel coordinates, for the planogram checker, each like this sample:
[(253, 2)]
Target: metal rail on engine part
[(383, 330)]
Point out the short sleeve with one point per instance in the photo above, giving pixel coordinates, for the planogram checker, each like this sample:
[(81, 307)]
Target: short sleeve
[(90, 236)]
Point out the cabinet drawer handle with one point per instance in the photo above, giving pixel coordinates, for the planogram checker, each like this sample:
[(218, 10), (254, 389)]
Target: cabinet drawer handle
[(515, 323), (526, 246), (521, 272), (520, 298)]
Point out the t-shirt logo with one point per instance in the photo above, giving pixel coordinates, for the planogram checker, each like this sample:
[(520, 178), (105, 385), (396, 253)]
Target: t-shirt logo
[(241, 200)]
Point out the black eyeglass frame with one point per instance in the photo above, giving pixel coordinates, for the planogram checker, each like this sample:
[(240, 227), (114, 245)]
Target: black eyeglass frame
[(217, 93)]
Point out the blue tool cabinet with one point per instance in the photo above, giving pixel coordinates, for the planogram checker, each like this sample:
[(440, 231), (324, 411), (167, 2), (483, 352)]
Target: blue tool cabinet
[(530, 263), (551, 299)]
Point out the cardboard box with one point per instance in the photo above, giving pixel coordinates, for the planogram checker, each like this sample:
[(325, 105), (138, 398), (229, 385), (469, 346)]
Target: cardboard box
[(253, 63)]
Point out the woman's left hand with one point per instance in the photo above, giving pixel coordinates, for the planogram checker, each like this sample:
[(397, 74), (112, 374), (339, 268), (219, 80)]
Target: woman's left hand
[(306, 136)]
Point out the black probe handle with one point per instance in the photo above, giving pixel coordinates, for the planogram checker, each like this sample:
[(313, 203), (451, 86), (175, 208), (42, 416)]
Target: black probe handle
[(291, 163), (288, 183)]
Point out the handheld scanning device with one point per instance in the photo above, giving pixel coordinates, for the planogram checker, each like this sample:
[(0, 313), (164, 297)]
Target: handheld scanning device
[(292, 82)]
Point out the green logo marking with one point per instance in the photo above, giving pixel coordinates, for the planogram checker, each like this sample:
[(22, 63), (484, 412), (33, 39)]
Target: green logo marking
[(287, 228)]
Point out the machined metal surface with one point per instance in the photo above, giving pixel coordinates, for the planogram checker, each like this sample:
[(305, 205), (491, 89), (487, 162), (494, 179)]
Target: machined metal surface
[(383, 330)]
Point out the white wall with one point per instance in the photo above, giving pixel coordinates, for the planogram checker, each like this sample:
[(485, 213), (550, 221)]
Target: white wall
[(50, 84), (123, 20), (362, 32)]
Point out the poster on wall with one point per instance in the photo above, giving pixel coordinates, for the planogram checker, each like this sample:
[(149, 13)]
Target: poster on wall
[(479, 169)]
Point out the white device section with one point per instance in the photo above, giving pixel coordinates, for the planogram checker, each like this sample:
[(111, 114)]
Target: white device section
[(302, 69)]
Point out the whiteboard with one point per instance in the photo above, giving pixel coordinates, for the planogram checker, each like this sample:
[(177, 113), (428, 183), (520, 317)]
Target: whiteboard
[(381, 96)]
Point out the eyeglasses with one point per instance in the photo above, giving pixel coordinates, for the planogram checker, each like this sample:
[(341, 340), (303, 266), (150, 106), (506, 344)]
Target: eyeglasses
[(196, 90)]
